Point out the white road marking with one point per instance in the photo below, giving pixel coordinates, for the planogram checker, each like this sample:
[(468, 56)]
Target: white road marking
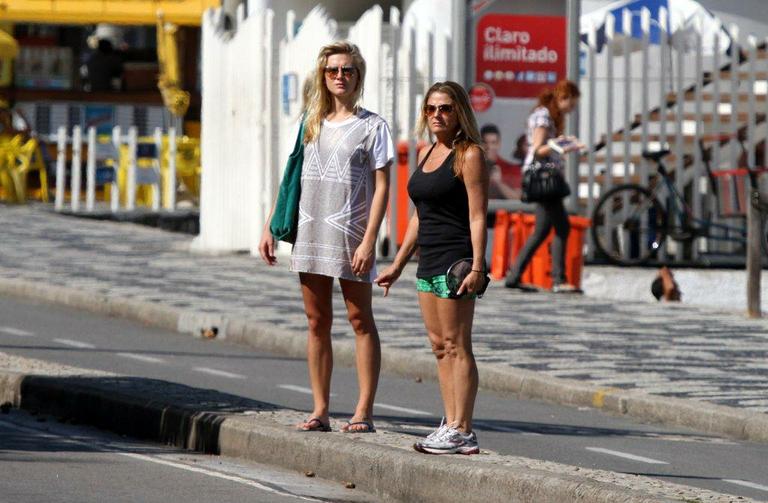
[(508, 429), (75, 344), (16, 331), (219, 373), (395, 408), (627, 456), (298, 389), (744, 483), (99, 446), (210, 473), (141, 358)]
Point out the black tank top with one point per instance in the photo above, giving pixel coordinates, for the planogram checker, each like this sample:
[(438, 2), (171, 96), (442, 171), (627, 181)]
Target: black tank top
[(442, 205)]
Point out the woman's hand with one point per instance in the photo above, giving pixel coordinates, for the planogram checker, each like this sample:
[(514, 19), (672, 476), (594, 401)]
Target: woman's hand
[(387, 278), (471, 284), (362, 260), (267, 247)]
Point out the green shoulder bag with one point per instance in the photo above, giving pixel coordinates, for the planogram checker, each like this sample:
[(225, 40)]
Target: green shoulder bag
[(285, 219)]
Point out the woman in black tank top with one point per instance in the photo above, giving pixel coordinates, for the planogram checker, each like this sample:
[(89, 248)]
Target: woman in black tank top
[(450, 192)]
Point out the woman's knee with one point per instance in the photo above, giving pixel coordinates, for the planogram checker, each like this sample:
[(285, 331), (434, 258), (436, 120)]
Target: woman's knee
[(319, 324), (449, 346), (439, 348), (362, 322)]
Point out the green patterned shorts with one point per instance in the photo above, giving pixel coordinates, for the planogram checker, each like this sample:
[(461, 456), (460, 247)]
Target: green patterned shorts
[(437, 285)]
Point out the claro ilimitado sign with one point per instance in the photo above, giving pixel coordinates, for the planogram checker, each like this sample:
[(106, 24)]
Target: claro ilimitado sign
[(517, 56)]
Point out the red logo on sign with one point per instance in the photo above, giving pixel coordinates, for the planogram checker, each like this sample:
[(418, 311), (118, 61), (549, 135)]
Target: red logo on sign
[(481, 97), (517, 56)]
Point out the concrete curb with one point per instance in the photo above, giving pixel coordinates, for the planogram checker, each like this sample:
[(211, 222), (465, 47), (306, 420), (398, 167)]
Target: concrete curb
[(391, 473), (701, 416)]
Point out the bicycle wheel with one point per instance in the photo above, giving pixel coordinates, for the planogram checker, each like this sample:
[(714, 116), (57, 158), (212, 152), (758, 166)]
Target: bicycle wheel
[(628, 225)]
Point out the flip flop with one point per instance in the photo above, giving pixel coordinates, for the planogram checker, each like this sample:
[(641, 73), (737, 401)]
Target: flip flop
[(314, 424), (368, 427)]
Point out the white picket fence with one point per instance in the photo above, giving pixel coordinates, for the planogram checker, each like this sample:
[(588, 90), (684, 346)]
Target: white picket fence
[(106, 155), (673, 95), (250, 113)]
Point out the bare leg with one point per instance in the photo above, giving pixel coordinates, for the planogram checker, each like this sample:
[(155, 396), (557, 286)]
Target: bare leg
[(456, 318), (429, 311), (316, 290), (357, 296)]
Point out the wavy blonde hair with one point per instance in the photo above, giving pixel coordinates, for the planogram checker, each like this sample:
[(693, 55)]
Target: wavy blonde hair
[(321, 100), (468, 133)]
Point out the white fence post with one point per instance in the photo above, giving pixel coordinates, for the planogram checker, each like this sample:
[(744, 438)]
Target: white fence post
[(61, 168), (626, 24), (130, 186), (735, 52), (645, 26), (90, 173), (394, 216), (76, 167), (114, 197), (170, 187), (158, 167), (610, 31), (591, 55), (697, 154), (751, 115), (412, 105)]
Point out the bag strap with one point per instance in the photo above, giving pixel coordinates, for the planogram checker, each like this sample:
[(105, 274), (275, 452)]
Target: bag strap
[(299, 138)]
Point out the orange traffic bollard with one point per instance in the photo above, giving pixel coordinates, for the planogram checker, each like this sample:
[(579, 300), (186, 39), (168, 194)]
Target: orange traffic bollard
[(500, 252), (539, 269)]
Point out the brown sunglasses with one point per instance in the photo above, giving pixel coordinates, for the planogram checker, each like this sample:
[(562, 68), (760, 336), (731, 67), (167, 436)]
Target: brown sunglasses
[(443, 109), (333, 71)]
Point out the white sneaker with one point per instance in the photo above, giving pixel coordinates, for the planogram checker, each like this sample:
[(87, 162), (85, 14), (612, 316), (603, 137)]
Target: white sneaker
[(452, 441), (439, 431), (432, 436)]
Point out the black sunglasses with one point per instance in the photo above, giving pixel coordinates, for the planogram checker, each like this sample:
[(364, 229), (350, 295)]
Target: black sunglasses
[(333, 71), (443, 109)]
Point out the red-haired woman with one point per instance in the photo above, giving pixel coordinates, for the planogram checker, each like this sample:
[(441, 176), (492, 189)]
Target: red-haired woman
[(547, 121)]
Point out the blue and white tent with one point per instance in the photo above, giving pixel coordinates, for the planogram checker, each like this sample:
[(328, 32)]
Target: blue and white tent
[(684, 18)]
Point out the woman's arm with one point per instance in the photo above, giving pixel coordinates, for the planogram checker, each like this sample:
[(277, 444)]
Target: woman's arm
[(267, 243), (388, 276), (476, 181), (539, 143)]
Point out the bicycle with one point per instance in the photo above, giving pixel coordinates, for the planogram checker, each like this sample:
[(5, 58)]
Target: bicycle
[(630, 223)]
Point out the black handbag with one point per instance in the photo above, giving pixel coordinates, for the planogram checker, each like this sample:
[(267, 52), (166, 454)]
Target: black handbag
[(455, 275), (544, 182)]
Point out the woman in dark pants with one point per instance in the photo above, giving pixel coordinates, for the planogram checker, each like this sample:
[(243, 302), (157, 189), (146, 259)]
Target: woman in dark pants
[(545, 122)]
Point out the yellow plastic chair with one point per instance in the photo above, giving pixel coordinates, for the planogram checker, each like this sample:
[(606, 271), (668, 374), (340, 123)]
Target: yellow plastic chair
[(29, 158), (7, 185), (17, 160), (187, 166)]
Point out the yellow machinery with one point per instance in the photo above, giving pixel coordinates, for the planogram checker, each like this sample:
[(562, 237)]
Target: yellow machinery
[(17, 159), (184, 12), (175, 99)]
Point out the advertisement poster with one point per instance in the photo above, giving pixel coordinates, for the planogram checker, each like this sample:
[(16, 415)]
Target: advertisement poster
[(518, 50)]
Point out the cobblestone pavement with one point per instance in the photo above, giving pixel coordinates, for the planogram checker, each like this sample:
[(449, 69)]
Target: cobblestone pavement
[(672, 350)]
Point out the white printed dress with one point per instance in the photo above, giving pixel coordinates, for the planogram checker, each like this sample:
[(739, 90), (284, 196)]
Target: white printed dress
[(337, 186)]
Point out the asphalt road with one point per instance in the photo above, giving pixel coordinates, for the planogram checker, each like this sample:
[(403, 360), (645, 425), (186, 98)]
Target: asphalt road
[(46, 461), (581, 437)]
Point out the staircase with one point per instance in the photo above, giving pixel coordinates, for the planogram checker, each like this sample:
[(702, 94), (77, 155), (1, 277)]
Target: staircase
[(718, 126)]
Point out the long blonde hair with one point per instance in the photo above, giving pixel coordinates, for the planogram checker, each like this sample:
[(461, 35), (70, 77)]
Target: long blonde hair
[(468, 134), (321, 101)]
